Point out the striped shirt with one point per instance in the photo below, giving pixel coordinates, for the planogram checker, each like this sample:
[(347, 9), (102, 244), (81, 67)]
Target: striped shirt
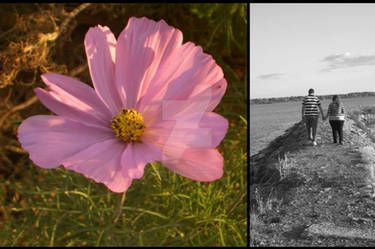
[(311, 104), (336, 111)]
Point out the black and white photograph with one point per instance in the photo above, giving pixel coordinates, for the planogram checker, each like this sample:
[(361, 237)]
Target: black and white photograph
[(312, 124)]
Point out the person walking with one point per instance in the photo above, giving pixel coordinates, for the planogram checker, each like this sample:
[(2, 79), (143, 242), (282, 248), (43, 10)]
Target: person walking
[(310, 114), (336, 114)]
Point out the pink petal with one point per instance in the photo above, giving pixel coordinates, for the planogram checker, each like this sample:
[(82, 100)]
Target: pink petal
[(100, 45), (204, 101), (196, 72), (51, 139), (74, 99), (135, 158), (102, 163), (57, 105), (119, 183), (188, 76), (142, 49), (198, 130), (198, 164)]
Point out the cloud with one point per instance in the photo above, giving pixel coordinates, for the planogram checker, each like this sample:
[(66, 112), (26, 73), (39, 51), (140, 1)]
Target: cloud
[(270, 76), (346, 60)]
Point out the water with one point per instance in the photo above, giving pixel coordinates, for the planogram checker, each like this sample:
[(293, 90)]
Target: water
[(268, 121)]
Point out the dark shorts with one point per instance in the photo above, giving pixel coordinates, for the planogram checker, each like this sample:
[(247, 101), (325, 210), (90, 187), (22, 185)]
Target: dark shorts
[(311, 121)]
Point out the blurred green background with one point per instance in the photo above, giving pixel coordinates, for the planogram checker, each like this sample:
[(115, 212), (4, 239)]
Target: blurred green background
[(61, 208)]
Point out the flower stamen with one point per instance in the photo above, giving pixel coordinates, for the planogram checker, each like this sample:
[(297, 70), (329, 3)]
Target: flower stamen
[(128, 125)]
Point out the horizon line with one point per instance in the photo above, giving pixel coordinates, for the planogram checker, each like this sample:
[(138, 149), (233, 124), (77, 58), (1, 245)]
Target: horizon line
[(316, 95)]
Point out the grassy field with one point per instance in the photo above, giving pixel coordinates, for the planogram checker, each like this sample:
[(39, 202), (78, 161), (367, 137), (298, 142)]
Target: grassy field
[(62, 208), (268, 121), (325, 184)]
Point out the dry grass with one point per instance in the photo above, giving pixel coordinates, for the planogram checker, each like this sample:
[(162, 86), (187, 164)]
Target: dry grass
[(368, 156), (284, 166), (256, 226), (267, 204)]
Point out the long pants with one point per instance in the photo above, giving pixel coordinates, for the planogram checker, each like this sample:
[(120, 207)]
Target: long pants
[(311, 125), (337, 128)]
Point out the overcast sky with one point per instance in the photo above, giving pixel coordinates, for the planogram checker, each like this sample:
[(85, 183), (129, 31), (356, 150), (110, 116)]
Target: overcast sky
[(328, 47)]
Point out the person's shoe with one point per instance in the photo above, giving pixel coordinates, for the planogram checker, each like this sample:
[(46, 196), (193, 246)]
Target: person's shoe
[(314, 143)]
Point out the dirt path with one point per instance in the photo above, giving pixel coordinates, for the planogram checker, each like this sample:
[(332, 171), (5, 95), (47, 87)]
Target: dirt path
[(333, 192)]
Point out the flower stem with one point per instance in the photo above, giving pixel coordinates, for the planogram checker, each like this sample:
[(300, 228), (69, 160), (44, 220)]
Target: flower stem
[(119, 208)]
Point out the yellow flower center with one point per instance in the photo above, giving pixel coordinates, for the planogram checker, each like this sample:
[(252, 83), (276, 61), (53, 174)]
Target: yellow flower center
[(128, 125)]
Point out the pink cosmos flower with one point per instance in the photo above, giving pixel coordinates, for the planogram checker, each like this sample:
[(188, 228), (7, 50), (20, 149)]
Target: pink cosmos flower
[(152, 100)]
